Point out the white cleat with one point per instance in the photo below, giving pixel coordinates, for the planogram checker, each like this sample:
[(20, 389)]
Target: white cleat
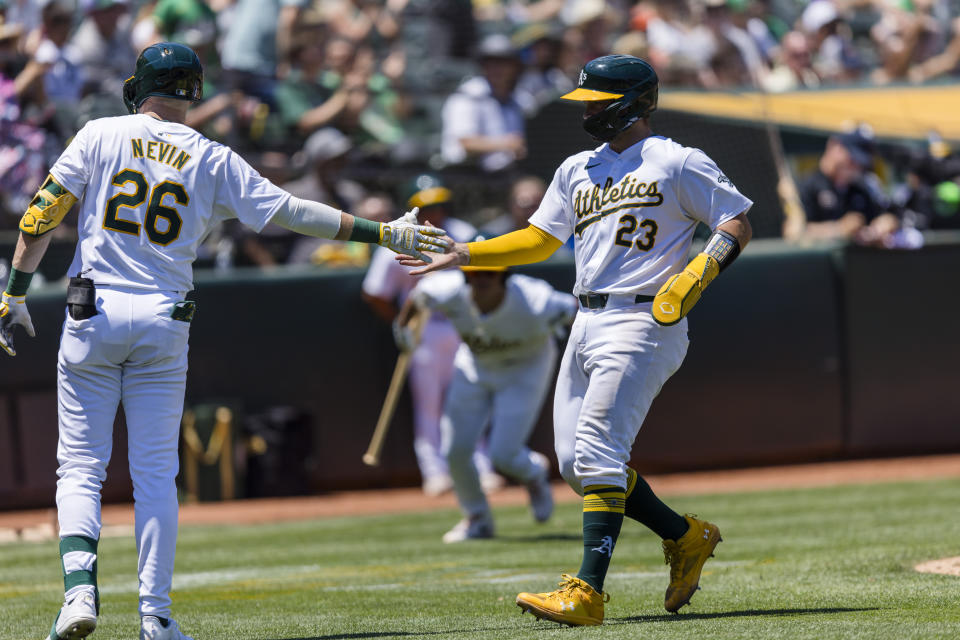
[(472, 528), (541, 495), (151, 629), (77, 618)]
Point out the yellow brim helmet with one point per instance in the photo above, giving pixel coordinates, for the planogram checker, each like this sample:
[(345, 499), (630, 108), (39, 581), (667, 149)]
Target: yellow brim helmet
[(588, 95)]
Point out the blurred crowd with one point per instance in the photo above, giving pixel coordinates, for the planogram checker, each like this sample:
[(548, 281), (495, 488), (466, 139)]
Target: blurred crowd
[(324, 95)]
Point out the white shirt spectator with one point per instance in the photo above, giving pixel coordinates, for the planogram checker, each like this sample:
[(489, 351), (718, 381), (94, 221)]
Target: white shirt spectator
[(64, 79), (473, 111)]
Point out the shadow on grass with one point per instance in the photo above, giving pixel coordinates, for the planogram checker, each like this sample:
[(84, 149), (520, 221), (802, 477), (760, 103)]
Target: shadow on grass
[(749, 613), (658, 618), (543, 537), (396, 634)]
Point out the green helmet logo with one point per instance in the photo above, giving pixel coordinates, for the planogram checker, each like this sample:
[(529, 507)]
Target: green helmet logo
[(167, 70)]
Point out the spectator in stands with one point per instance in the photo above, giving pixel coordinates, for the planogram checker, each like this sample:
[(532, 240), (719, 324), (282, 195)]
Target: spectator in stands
[(103, 48), (326, 155), (52, 65), (323, 158), (946, 62), (484, 119), (257, 45), (737, 59), (793, 67), (544, 77), (372, 21), (526, 193), (835, 57), (904, 37), (680, 47), (839, 199)]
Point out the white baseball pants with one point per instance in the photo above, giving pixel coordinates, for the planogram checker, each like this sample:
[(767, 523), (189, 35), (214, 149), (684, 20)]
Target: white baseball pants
[(130, 352), (615, 363), (507, 398)]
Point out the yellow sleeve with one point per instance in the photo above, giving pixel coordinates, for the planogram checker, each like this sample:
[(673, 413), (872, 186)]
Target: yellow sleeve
[(518, 247)]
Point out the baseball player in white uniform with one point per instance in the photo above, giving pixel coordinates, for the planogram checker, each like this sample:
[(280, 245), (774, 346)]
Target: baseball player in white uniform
[(502, 371), (386, 286), (631, 205), (149, 188)]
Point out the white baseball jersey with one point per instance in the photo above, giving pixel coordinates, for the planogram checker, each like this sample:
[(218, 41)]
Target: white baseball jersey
[(633, 214), (516, 331), (157, 188)]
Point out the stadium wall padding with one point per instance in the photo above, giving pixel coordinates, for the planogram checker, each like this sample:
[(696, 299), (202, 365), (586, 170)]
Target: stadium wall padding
[(795, 355)]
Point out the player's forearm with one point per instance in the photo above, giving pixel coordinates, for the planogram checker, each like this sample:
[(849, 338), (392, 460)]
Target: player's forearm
[(310, 218), (26, 259), (739, 228), (29, 252), (518, 247)]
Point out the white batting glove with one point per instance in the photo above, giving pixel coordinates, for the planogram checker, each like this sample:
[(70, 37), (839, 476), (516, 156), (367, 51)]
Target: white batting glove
[(405, 236), (403, 337), (13, 312)]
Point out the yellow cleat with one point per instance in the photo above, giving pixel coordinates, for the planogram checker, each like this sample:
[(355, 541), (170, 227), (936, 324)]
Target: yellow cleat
[(686, 558), (575, 603)]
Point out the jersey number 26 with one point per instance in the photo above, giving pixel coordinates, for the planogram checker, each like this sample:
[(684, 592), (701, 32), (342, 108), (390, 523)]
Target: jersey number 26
[(162, 233)]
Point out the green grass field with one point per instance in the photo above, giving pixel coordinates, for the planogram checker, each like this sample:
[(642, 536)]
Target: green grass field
[(822, 563)]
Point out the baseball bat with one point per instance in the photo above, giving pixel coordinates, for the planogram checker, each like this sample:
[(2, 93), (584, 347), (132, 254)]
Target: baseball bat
[(372, 456), (794, 216)]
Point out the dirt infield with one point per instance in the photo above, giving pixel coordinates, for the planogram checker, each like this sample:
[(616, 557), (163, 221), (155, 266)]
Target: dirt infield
[(40, 524)]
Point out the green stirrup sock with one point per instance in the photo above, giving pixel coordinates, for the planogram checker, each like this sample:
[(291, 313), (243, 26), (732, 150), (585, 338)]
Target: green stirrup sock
[(78, 560), (602, 518), (647, 509)]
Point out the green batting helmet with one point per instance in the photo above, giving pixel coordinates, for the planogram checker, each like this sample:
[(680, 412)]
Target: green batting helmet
[(165, 69), (628, 82)]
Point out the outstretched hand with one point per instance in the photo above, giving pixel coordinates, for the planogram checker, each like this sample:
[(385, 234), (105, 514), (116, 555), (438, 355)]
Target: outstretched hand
[(456, 255), (405, 235)]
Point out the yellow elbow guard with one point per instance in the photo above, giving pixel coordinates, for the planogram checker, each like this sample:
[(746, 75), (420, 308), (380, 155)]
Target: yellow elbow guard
[(47, 209), (678, 294)]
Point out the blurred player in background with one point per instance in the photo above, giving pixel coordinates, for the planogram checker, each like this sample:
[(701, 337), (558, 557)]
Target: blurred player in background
[(632, 204), (502, 372), (385, 288), (150, 188)]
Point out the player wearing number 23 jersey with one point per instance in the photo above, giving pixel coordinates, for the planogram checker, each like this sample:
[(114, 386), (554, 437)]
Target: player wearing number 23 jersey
[(631, 206), (149, 189)]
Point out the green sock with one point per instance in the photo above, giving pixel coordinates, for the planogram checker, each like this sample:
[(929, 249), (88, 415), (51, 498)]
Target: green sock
[(78, 560), (646, 508), (602, 518)]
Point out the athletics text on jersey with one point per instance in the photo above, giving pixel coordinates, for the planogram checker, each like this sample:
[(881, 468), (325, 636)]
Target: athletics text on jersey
[(633, 214)]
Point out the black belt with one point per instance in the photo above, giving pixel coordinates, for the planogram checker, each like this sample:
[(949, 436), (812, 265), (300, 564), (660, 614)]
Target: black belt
[(599, 300)]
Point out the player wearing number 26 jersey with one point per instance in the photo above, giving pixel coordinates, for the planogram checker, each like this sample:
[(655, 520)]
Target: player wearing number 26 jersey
[(631, 206), (149, 189)]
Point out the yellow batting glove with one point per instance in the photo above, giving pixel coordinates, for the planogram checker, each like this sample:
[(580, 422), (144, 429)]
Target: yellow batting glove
[(678, 294)]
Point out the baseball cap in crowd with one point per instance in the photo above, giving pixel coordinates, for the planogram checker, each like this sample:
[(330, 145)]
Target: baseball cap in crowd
[(859, 145), (326, 144), (817, 15), (497, 45)]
